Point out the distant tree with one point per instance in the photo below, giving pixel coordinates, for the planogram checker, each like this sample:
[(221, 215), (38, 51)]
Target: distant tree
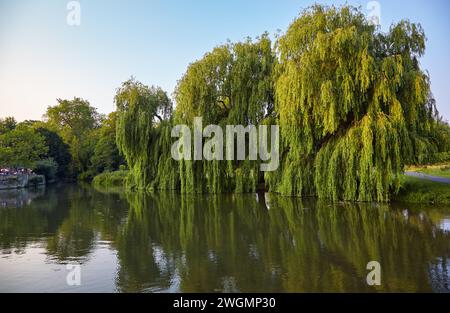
[(29, 123), (82, 152), (143, 114), (21, 147), (7, 124), (442, 137), (439, 149), (106, 154), (75, 121), (133, 95), (58, 150), (73, 118)]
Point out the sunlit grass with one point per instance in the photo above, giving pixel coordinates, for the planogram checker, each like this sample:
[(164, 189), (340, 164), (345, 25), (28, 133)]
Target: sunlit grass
[(440, 170), (416, 190)]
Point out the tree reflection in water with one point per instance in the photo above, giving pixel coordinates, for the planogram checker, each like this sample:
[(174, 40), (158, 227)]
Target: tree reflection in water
[(249, 243)]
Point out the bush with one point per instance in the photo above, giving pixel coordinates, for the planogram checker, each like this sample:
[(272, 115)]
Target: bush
[(111, 179), (442, 157), (86, 176)]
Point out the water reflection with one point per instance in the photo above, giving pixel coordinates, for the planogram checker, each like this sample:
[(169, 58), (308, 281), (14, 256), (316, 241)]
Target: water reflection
[(169, 243), (17, 198)]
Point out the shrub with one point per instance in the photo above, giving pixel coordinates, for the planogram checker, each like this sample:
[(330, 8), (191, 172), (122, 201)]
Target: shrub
[(111, 179)]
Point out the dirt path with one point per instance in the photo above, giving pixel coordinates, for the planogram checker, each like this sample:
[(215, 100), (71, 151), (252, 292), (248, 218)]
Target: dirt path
[(429, 177)]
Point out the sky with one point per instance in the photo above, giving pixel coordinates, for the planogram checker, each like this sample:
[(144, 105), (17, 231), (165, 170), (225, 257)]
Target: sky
[(43, 57)]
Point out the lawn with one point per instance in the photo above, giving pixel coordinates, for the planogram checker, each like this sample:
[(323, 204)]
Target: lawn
[(416, 190), (441, 170)]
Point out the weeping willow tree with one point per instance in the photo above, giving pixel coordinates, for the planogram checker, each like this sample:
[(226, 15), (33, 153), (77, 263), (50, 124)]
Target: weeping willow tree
[(143, 135), (232, 85), (353, 105)]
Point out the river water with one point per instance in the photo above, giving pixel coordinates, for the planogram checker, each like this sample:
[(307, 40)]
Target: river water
[(71, 238)]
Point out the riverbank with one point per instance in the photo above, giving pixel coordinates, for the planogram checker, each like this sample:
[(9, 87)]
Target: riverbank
[(428, 184), (414, 189), (438, 170), (420, 190), (433, 178)]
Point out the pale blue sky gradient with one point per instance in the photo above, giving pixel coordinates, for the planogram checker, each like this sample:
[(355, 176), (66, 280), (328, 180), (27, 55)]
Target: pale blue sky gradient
[(42, 58)]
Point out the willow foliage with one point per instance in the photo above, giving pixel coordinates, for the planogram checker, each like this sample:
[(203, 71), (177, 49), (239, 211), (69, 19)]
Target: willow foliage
[(232, 85), (143, 135), (353, 105)]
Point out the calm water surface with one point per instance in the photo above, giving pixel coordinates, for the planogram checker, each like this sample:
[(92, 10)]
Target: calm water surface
[(133, 242)]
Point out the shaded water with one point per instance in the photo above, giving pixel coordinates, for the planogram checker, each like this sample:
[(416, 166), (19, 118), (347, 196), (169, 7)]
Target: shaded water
[(128, 242)]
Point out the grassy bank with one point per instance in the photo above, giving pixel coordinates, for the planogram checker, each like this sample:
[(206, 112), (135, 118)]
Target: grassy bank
[(416, 190), (110, 179), (440, 170)]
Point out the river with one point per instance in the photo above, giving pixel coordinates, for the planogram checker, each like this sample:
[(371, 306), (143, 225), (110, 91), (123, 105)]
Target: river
[(70, 238)]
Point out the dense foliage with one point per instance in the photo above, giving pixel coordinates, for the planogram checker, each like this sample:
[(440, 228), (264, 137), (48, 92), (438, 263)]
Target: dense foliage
[(143, 134), (21, 146), (353, 105), (352, 102), (232, 85), (58, 152), (76, 121), (73, 142), (106, 156)]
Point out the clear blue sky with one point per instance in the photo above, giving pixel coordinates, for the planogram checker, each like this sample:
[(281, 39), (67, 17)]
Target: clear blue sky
[(42, 58)]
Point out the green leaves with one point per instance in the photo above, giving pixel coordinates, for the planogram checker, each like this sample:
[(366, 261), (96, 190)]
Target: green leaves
[(141, 132), (73, 118), (352, 103), (232, 85), (76, 121), (343, 95), (21, 147)]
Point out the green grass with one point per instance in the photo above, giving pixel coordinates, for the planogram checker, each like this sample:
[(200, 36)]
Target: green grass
[(440, 170), (111, 179), (416, 190)]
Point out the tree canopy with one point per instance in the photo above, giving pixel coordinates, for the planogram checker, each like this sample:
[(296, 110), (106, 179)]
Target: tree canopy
[(73, 118), (58, 150), (76, 121), (352, 103), (21, 147), (143, 133), (232, 85), (106, 155), (7, 124)]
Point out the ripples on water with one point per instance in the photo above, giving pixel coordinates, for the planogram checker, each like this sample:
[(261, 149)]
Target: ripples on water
[(128, 242)]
